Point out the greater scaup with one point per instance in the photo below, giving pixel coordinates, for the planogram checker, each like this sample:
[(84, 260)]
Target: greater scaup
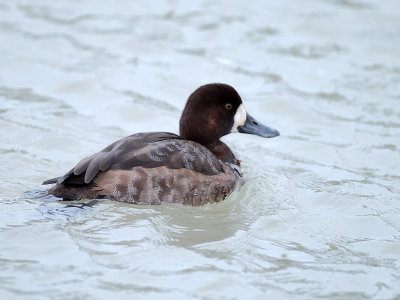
[(192, 168)]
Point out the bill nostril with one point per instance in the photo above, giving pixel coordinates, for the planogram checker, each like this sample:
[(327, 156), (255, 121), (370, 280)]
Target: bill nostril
[(255, 123)]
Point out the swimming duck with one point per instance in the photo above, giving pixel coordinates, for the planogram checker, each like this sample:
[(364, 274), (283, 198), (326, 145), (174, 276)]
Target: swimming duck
[(191, 168)]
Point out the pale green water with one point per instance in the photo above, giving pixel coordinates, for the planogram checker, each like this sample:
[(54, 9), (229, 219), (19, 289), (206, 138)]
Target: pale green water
[(320, 214)]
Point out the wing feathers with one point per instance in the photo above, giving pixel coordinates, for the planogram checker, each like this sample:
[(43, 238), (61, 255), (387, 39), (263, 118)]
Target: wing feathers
[(148, 150), (106, 162), (81, 167), (94, 166)]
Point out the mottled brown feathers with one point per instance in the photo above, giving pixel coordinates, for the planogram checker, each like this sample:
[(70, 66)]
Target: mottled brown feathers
[(147, 168), (153, 186), (161, 184)]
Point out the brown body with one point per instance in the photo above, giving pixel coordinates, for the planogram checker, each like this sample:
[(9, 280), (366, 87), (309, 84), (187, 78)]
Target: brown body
[(150, 168)]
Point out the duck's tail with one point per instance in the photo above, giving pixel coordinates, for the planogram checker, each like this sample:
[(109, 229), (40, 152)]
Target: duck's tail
[(51, 181)]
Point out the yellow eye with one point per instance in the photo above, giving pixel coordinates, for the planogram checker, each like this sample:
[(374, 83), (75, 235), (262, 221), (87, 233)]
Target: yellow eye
[(228, 106)]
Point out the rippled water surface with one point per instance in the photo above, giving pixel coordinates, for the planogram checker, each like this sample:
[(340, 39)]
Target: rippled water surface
[(320, 213)]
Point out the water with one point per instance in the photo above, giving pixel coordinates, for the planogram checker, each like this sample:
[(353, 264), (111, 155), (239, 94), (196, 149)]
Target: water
[(319, 216)]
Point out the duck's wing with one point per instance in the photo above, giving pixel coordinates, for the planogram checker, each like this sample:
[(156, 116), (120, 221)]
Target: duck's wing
[(147, 150)]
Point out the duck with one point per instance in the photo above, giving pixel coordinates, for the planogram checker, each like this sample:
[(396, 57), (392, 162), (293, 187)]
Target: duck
[(192, 168)]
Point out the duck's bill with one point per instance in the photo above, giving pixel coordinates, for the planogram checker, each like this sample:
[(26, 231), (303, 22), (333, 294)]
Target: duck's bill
[(252, 126)]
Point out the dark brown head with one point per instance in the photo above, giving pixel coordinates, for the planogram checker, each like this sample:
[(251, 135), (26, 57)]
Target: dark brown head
[(215, 110)]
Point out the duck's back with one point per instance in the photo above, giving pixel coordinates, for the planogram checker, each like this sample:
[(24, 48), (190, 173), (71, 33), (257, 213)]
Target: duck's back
[(149, 168)]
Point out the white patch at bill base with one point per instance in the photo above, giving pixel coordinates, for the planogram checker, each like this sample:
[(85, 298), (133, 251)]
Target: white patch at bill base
[(239, 119)]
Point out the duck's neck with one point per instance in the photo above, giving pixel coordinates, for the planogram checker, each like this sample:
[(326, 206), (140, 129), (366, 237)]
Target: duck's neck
[(222, 152)]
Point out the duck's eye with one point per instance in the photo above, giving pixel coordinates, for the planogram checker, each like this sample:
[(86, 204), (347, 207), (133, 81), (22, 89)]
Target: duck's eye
[(228, 106)]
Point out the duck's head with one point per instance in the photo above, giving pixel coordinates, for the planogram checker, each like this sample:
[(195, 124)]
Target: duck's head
[(215, 110)]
